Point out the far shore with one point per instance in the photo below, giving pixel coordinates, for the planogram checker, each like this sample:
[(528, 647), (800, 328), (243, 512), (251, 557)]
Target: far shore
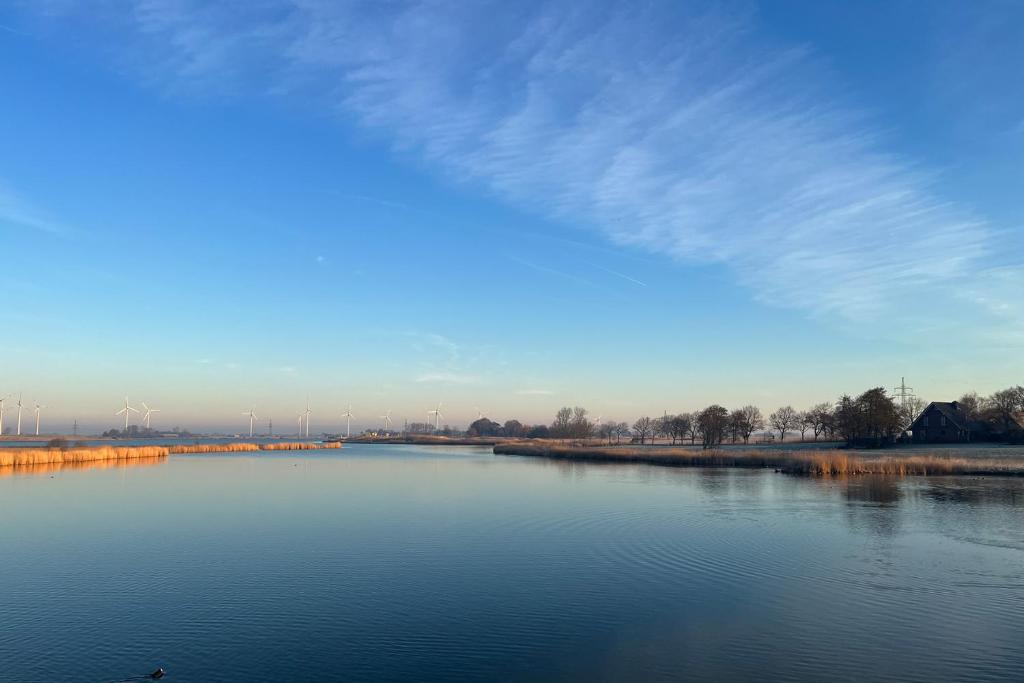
[(822, 463)]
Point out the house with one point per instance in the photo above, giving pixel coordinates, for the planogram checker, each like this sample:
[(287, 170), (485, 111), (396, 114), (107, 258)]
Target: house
[(941, 423)]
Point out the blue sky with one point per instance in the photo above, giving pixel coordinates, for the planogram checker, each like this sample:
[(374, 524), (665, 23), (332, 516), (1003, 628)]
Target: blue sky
[(514, 206)]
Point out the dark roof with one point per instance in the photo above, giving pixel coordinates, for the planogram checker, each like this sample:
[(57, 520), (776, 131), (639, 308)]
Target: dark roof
[(949, 410)]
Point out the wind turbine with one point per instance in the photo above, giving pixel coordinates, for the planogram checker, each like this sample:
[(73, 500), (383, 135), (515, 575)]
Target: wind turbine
[(252, 418), (126, 410), (436, 412), (307, 414), (387, 420), (348, 420), (149, 411), (38, 408), (479, 413), (300, 425), (2, 399), (19, 414)]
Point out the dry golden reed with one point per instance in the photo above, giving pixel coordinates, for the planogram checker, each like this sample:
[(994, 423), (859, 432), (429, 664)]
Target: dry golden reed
[(25, 457), (814, 463), (33, 457)]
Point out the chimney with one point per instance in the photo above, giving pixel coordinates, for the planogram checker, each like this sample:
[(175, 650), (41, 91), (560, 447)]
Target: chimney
[(956, 406)]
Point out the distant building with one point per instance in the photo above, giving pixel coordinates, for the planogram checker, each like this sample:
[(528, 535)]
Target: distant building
[(941, 423)]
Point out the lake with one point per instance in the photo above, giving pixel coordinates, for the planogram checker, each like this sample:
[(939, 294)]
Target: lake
[(452, 564)]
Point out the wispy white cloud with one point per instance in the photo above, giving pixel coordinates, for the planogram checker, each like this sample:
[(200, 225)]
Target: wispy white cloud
[(17, 211), (535, 392), (678, 131)]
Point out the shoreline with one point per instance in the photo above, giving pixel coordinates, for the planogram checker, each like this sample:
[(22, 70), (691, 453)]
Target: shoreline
[(815, 463)]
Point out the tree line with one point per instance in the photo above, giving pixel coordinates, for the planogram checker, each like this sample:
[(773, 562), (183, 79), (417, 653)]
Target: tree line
[(873, 417)]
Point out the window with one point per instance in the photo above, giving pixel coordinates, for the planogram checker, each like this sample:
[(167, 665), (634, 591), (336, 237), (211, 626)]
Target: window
[(924, 423)]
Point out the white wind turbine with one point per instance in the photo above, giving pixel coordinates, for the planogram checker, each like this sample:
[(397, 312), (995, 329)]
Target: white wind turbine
[(387, 419), (436, 412), (252, 418), (479, 413), (2, 399), (348, 420), (148, 413), (300, 425), (37, 409), (126, 410), (19, 414), (307, 414)]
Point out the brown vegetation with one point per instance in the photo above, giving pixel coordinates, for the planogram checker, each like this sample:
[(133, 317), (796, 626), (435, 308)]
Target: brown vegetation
[(26, 457), (34, 457), (814, 463)]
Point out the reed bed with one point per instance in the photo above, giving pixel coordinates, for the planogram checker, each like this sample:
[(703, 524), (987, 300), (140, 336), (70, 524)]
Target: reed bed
[(195, 448), (811, 463), (299, 446), (26, 457), (34, 457)]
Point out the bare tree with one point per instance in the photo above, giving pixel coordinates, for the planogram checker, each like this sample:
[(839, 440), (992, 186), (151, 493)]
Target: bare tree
[(621, 430), (579, 426), (643, 428), (746, 421), (1003, 405), (693, 431), (561, 428), (783, 420), (970, 407), (821, 414), (680, 426), (804, 421)]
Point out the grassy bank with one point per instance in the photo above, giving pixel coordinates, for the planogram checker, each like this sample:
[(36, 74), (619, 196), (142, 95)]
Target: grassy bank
[(32, 457), (812, 463)]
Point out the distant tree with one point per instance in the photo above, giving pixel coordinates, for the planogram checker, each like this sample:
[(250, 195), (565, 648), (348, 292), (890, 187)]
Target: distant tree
[(783, 420), (642, 428), (746, 421), (561, 428), (970, 406), (712, 423), (484, 427), (820, 415), (621, 430), (1002, 406), (580, 426), (804, 421), (58, 443), (679, 426), (538, 432), (514, 429), (872, 417), (606, 432), (693, 431)]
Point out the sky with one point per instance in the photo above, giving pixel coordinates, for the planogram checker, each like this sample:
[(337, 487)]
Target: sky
[(505, 207)]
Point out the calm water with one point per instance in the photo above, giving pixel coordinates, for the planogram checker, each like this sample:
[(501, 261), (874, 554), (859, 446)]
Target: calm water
[(429, 564)]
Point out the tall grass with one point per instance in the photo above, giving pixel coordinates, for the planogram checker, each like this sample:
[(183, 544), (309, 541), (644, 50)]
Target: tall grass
[(813, 463), (25, 457), (299, 446), (32, 457), (186, 449)]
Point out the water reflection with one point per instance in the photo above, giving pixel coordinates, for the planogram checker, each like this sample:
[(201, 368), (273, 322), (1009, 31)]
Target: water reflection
[(391, 563), (52, 468)]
